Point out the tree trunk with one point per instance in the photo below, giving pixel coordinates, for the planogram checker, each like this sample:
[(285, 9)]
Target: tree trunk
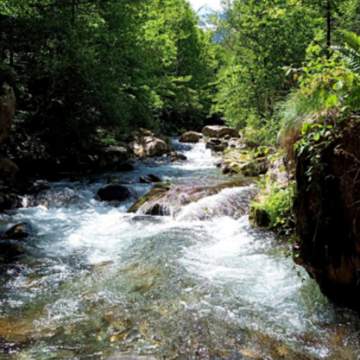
[(328, 27)]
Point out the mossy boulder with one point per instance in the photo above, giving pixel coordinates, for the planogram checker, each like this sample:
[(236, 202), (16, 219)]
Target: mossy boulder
[(166, 199), (255, 167)]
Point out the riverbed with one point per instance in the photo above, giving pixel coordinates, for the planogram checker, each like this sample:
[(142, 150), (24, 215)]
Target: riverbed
[(96, 282)]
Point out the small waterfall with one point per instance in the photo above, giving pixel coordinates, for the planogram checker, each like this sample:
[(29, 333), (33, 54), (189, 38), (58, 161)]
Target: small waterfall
[(232, 202)]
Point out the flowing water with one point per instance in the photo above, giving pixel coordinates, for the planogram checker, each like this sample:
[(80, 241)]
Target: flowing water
[(95, 282)]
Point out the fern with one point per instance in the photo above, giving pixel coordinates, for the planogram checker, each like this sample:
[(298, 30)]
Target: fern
[(350, 51)]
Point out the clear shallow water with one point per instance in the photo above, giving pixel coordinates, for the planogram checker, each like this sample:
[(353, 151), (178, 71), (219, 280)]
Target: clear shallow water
[(98, 283)]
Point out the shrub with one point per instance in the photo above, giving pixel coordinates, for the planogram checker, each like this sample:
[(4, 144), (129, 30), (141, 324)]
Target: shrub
[(273, 208)]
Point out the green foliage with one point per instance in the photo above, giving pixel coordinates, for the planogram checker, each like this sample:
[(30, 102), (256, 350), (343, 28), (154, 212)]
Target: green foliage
[(327, 87), (261, 40), (315, 138), (351, 50), (115, 64), (275, 203)]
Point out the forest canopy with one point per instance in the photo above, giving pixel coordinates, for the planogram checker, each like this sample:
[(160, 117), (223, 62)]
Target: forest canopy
[(84, 67)]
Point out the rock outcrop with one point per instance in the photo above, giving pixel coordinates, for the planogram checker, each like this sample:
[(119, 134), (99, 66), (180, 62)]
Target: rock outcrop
[(328, 215)]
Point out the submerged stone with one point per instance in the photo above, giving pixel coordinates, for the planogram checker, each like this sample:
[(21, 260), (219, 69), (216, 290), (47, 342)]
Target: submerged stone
[(150, 178), (113, 192), (18, 231)]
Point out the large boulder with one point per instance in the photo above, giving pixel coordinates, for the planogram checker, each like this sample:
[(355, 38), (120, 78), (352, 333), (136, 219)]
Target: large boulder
[(168, 200), (113, 192), (217, 131), (8, 170), (191, 137), (7, 110), (114, 157), (146, 144), (255, 167), (327, 212)]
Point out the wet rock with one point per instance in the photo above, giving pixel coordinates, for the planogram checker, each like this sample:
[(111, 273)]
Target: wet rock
[(328, 215), (54, 198), (191, 137), (38, 186), (8, 170), (8, 199), (158, 209), (164, 200), (149, 179), (217, 131), (113, 192), (150, 198), (146, 144), (18, 232), (176, 156)]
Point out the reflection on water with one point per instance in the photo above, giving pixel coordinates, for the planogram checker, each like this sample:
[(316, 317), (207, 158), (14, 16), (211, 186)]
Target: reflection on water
[(98, 283)]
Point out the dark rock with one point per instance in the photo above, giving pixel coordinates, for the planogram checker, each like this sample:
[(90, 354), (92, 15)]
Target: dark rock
[(113, 157), (217, 145), (10, 249), (327, 210), (149, 179), (158, 210), (125, 167), (18, 231), (8, 170), (259, 216), (191, 137), (9, 200), (150, 198), (113, 192), (176, 156), (38, 186)]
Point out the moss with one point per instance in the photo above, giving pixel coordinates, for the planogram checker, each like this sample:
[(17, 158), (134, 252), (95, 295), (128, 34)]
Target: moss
[(155, 193), (273, 207)]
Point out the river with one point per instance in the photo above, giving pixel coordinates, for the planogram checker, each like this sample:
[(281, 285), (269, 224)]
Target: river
[(96, 282)]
